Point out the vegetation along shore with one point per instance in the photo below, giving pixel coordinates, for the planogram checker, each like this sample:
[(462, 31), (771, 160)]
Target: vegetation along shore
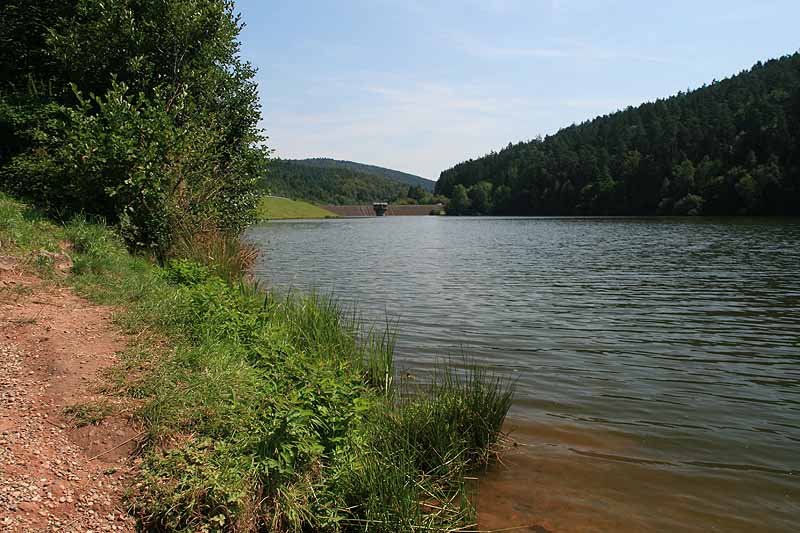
[(129, 129), (264, 411)]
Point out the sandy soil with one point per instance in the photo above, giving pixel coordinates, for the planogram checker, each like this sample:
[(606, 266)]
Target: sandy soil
[(54, 347)]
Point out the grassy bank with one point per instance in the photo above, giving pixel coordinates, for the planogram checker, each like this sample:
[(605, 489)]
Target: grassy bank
[(267, 413), (272, 208)]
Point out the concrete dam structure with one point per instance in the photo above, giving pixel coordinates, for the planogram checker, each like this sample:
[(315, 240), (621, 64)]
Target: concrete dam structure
[(391, 210)]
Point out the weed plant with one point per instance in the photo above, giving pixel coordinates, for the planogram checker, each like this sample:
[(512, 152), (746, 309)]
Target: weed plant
[(88, 413)]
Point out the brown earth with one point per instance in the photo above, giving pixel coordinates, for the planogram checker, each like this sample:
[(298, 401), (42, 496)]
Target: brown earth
[(54, 347)]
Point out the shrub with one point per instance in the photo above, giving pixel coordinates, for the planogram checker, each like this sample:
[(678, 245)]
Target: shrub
[(144, 115), (125, 158)]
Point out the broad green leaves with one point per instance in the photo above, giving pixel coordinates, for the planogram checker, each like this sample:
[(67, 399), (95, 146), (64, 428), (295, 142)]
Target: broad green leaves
[(139, 111)]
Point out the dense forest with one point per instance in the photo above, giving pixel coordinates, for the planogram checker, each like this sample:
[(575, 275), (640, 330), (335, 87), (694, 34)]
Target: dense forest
[(396, 175), (337, 185), (729, 148)]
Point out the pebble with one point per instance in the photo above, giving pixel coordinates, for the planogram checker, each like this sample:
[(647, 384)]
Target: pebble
[(40, 494)]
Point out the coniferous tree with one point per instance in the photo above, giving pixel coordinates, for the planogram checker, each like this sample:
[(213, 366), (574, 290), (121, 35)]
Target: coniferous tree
[(732, 147)]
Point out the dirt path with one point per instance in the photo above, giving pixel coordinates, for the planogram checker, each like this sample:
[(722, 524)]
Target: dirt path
[(55, 476)]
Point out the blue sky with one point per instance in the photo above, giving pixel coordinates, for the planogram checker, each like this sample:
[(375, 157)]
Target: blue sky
[(422, 85)]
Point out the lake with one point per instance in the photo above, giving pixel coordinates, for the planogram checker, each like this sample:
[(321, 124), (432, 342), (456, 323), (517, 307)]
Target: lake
[(657, 360)]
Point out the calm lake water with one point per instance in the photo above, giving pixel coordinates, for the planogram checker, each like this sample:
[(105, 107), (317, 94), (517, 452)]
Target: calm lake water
[(657, 360)]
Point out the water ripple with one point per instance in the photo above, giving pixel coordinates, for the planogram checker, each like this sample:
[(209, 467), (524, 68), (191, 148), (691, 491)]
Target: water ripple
[(683, 335)]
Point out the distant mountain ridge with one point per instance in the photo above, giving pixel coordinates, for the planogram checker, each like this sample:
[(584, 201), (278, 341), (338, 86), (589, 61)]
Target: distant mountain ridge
[(395, 175), (337, 185)]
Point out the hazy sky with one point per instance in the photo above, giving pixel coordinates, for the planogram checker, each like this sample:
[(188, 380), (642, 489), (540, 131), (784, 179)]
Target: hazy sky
[(422, 85)]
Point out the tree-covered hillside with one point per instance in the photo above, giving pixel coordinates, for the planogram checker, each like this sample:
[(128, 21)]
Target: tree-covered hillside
[(732, 147), (323, 185), (396, 175)]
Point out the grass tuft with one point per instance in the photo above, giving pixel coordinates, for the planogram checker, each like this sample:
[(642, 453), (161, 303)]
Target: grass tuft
[(225, 255), (457, 420), (88, 413)]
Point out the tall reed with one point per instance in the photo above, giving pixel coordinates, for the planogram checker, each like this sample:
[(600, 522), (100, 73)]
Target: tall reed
[(225, 254)]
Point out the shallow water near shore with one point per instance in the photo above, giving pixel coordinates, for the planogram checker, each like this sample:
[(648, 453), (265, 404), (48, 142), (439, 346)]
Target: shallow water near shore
[(657, 360)]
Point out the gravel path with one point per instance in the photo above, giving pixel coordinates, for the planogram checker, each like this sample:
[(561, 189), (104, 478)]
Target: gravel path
[(53, 345)]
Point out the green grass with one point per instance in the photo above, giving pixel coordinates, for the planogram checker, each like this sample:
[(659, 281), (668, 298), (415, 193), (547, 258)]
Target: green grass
[(271, 208), (268, 412), (24, 232)]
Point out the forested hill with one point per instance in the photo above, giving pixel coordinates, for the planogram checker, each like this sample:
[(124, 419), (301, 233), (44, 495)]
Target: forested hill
[(326, 185), (396, 175), (732, 147)]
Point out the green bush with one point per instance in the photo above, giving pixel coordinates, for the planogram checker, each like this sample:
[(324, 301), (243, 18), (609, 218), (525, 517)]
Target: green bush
[(141, 113)]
